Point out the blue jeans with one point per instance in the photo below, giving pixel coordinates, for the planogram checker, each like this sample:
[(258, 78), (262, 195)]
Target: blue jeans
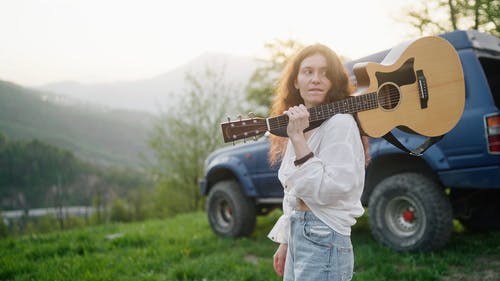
[(317, 252)]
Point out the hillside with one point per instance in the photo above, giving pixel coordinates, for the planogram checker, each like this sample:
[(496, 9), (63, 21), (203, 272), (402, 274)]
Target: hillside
[(97, 135)]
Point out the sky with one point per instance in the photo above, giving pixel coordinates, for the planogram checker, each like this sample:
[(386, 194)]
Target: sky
[(90, 41)]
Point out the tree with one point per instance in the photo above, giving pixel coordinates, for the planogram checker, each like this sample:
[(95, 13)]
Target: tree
[(264, 80), (185, 134), (3, 140), (31, 168), (438, 16)]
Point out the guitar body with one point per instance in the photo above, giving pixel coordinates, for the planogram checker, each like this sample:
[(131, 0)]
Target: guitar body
[(419, 86)]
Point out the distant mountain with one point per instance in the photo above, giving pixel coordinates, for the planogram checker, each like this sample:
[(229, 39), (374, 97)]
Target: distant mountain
[(97, 135), (153, 94)]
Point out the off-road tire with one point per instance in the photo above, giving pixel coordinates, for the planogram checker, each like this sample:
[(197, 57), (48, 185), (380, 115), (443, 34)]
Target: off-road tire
[(410, 212), (230, 212)]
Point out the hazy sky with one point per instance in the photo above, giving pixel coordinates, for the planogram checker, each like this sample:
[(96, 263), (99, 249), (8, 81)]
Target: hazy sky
[(107, 40)]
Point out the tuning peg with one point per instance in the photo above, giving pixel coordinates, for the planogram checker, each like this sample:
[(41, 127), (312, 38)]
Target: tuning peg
[(228, 118), (251, 114), (239, 117)]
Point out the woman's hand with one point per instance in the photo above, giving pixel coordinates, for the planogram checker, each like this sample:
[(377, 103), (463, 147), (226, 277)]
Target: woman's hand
[(298, 120), (279, 259)]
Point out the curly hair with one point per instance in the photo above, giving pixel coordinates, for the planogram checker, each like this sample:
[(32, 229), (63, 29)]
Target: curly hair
[(286, 95)]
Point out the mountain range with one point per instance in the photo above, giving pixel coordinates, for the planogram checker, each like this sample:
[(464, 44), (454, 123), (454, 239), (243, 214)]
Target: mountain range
[(105, 123), (96, 135), (153, 94)]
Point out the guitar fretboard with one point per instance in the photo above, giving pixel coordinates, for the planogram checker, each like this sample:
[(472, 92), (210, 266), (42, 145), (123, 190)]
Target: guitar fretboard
[(325, 111)]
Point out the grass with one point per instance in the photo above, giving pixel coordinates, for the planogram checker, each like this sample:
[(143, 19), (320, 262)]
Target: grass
[(184, 248)]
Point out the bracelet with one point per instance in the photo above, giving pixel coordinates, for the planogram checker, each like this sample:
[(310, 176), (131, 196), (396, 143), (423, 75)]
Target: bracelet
[(303, 159)]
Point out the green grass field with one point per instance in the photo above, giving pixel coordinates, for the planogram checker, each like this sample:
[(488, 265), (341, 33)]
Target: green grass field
[(184, 248)]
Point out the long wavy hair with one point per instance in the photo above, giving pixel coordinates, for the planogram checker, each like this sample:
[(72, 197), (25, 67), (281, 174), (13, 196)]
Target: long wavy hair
[(286, 95)]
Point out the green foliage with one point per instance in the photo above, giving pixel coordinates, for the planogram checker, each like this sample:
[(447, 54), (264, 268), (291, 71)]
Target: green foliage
[(3, 140), (141, 203), (48, 223), (32, 171), (42, 224), (170, 200), (119, 211), (184, 248), (4, 232), (264, 80), (482, 15), (184, 135), (38, 175)]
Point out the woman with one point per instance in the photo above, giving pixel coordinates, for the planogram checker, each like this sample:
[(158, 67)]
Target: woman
[(322, 171)]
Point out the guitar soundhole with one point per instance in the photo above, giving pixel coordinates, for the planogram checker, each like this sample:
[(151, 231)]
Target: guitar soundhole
[(388, 96)]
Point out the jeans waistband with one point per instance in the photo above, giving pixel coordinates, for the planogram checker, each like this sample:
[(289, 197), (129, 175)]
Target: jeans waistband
[(306, 215)]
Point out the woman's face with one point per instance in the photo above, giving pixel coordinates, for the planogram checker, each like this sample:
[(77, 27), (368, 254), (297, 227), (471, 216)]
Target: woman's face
[(312, 81)]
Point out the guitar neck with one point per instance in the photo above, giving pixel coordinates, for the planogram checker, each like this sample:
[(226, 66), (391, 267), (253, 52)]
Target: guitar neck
[(318, 114)]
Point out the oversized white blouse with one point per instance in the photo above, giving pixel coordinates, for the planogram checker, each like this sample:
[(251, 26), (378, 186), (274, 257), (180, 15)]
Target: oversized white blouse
[(330, 183)]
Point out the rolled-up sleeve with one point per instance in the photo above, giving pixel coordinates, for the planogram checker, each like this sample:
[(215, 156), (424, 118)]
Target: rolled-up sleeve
[(281, 230), (279, 233)]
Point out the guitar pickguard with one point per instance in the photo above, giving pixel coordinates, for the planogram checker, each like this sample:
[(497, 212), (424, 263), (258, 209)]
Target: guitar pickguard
[(405, 75)]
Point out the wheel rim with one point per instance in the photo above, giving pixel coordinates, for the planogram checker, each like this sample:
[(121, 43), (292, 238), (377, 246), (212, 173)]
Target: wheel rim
[(405, 217), (224, 213)]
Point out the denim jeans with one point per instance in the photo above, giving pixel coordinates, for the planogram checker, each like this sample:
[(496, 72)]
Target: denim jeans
[(317, 252)]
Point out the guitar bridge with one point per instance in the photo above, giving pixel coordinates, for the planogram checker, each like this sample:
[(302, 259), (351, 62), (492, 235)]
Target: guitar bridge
[(422, 89)]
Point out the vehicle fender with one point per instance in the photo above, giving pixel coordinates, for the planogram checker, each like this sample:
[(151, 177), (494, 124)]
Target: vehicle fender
[(387, 160), (434, 156), (228, 167)]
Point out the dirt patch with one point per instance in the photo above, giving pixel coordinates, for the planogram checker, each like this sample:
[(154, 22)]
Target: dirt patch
[(484, 269), (251, 258)]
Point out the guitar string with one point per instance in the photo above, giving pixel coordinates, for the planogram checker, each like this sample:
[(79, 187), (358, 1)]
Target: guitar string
[(323, 111), (362, 102), (346, 106), (349, 105)]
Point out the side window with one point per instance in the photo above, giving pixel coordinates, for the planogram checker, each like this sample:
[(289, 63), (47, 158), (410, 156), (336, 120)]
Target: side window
[(491, 68)]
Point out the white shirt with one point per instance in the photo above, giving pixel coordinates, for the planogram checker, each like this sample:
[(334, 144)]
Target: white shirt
[(330, 183)]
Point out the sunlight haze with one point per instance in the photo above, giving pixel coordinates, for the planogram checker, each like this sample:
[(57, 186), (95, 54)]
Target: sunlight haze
[(102, 41)]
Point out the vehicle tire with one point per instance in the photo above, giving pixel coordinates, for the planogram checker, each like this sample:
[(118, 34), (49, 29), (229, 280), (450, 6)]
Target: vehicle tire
[(230, 213), (410, 212)]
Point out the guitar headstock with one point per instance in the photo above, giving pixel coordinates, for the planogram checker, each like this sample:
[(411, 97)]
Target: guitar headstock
[(243, 128)]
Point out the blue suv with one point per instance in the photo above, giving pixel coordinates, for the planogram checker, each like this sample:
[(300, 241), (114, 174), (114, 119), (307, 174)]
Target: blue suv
[(411, 201)]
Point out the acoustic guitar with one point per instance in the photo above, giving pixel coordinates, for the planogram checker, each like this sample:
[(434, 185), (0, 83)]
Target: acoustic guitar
[(418, 87)]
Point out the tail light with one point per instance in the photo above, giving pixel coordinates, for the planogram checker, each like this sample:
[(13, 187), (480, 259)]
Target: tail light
[(492, 123)]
